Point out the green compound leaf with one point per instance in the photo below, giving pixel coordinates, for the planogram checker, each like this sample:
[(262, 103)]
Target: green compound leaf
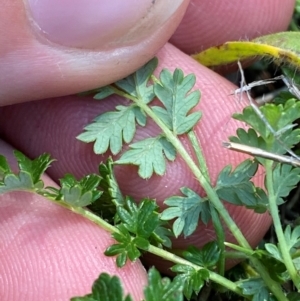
[(35, 167), (159, 289), (105, 288), (186, 210), (256, 288), (104, 92), (150, 155), (250, 138), (263, 294), (193, 279), (110, 129), (79, 193), (274, 251), (161, 235), (28, 179), (292, 237), (22, 181), (109, 182), (137, 84), (127, 247), (141, 219), (140, 226), (4, 167), (105, 205), (280, 117), (293, 296), (272, 259), (206, 257), (234, 186), (174, 93), (285, 178), (109, 288)]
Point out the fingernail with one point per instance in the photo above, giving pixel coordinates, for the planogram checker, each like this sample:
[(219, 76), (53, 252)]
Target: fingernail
[(87, 23)]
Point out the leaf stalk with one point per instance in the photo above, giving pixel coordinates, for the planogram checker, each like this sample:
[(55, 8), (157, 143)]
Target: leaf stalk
[(278, 227)]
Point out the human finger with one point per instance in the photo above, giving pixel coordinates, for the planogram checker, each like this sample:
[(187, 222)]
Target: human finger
[(211, 23), (65, 47)]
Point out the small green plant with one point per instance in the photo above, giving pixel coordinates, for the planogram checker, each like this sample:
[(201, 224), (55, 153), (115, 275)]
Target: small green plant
[(107, 288), (139, 228)]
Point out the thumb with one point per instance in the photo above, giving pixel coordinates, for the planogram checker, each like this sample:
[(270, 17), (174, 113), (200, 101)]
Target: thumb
[(54, 48)]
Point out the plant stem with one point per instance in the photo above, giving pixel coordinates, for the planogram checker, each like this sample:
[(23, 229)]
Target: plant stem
[(283, 247), (274, 286), (152, 249), (220, 237), (213, 197), (198, 152), (249, 270), (88, 215), (214, 214), (212, 275)]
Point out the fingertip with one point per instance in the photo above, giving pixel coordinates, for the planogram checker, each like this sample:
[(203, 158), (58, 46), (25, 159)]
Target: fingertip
[(212, 23), (98, 25), (33, 67)]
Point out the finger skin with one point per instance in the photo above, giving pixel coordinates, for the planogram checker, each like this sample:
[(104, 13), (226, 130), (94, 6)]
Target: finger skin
[(49, 253), (33, 68), (53, 126), (211, 23)]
